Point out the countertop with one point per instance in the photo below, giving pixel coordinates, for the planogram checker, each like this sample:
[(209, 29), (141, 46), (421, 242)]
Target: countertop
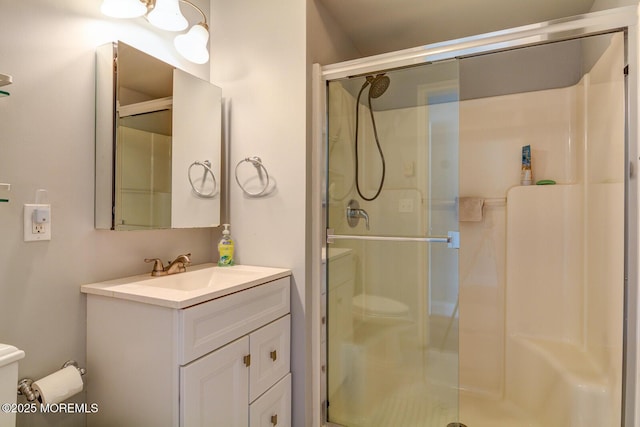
[(200, 283)]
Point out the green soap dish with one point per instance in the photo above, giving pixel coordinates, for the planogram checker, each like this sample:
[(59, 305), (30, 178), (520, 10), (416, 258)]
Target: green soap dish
[(546, 182)]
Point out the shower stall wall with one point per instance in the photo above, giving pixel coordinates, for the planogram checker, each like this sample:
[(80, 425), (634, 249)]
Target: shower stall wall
[(523, 324), (542, 275)]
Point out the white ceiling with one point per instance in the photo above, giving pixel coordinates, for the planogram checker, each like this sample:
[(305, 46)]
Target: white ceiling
[(378, 26)]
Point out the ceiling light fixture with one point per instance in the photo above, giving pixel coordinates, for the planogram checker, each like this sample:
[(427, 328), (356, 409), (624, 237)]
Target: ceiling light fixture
[(166, 15)]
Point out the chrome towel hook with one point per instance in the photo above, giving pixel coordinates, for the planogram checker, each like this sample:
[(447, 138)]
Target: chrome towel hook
[(261, 169), (207, 170)]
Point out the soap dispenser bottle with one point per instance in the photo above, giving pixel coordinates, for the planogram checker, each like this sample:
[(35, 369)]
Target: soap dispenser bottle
[(225, 248)]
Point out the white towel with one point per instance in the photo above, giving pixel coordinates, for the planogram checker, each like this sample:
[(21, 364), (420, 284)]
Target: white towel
[(470, 208)]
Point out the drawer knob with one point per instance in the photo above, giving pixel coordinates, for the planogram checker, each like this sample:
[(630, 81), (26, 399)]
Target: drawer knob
[(273, 355), (274, 419)]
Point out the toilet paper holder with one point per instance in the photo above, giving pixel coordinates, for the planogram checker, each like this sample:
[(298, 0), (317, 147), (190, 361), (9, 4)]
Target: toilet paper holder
[(24, 385)]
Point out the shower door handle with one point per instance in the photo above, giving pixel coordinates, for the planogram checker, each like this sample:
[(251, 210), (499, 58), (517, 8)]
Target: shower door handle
[(452, 239)]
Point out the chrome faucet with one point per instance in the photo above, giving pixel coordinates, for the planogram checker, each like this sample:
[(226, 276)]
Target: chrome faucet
[(354, 213), (178, 265)]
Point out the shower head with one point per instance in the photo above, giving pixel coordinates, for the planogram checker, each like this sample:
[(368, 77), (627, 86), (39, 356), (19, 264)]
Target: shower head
[(379, 85)]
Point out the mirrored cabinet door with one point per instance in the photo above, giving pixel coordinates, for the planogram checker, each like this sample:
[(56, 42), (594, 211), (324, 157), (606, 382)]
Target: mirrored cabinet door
[(158, 144)]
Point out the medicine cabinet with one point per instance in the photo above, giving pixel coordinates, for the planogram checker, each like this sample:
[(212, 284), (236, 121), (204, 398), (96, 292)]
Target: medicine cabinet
[(158, 143)]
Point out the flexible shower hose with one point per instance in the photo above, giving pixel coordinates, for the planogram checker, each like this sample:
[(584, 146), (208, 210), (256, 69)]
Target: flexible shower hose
[(375, 133)]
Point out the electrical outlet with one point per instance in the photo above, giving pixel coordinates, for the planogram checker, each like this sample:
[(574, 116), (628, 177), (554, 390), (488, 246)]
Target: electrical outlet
[(38, 228), (37, 223)]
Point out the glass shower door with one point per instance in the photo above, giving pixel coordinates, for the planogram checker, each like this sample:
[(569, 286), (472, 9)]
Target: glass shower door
[(391, 258)]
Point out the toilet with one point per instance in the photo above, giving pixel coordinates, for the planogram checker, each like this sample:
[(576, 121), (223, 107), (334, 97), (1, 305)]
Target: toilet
[(379, 317), (9, 357), (379, 309), (364, 306)]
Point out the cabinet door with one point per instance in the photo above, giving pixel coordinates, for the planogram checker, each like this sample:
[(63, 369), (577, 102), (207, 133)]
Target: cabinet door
[(214, 389), (273, 409), (269, 355)]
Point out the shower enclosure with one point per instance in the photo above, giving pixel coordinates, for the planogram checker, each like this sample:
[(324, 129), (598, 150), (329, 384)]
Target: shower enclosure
[(454, 296)]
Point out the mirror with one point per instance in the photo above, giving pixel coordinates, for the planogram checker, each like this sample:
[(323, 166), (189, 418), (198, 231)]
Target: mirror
[(158, 144)]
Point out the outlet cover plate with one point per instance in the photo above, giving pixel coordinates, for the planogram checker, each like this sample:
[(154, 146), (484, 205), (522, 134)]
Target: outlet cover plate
[(32, 232)]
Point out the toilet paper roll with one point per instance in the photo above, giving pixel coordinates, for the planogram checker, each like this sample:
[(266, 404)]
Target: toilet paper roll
[(59, 386)]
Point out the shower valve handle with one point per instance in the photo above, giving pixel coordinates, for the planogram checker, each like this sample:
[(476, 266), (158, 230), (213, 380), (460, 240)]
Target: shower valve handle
[(354, 213)]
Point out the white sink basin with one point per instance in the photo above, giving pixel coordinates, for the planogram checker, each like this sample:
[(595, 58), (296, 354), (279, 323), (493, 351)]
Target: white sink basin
[(212, 277), (198, 284)]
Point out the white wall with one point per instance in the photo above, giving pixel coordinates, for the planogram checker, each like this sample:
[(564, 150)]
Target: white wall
[(47, 141), (327, 41)]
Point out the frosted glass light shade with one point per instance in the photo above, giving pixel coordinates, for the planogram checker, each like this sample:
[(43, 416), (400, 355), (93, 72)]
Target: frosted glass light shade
[(193, 45), (167, 16), (123, 8)]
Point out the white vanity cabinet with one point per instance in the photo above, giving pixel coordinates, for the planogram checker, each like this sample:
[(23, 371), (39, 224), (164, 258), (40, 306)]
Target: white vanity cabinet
[(250, 372), (223, 362)]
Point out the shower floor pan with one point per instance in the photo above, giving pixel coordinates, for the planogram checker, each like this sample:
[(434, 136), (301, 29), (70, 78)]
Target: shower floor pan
[(401, 392)]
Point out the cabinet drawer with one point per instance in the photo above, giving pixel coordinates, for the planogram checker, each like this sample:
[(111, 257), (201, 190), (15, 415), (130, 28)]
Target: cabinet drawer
[(212, 324), (273, 409), (270, 356)]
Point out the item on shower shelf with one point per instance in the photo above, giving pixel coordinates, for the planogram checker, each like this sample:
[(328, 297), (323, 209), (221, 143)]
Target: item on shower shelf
[(546, 182), (225, 248), (526, 175)]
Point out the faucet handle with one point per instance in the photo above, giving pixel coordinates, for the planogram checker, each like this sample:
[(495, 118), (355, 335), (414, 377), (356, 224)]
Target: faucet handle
[(157, 266), (187, 259)]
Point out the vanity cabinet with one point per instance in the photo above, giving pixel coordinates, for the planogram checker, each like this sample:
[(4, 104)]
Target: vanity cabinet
[(223, 362), (250, 372)]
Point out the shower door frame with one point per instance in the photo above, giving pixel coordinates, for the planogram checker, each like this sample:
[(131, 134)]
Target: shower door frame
[(620, 19)]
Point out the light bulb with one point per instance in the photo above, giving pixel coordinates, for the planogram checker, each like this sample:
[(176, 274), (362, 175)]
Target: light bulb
[(123, 8), (193, 45), (167, 16)]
